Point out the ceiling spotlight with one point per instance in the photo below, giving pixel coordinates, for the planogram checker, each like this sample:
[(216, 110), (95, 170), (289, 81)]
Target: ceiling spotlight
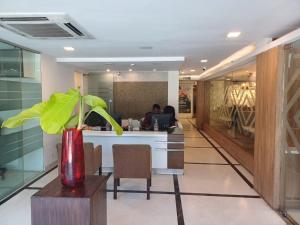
[(203, 60), (154, 70), (107, 70), (192, 70), (132, 64), (233, 34), (182, 72), (69, 49), (130, 70)]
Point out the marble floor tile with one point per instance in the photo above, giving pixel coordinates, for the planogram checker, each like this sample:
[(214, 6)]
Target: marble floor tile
[(295, 214), (46, 179), (217, 179), (17, 211), (202, 155), (228, 156), (214, 142), (134, 209), (202, 210), (192, 134), (245, 172), (205, 134), (196, 142), (159, 183)]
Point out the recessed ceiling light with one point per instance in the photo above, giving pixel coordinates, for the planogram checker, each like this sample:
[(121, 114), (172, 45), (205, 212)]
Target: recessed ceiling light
[(132, 64), (154, 70), (69, 49), (107, 70), (192, 70), (233, 34), (182, 72), (130, 70), (203, 60)]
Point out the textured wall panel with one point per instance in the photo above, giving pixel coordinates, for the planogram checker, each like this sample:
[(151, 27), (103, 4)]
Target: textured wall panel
[(134, 99)]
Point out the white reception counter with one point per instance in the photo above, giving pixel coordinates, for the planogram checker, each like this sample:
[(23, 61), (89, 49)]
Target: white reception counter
[(164, 147)]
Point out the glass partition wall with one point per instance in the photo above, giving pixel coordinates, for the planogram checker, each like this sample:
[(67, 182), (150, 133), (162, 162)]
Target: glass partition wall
[(21, 149), (291, 130), (230, 106)]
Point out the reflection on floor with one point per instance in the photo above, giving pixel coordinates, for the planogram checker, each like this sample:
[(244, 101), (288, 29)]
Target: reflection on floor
[(15, 178), (210, 192)]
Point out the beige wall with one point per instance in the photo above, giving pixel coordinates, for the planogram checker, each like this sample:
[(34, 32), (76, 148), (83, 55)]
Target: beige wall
[(55, 78)]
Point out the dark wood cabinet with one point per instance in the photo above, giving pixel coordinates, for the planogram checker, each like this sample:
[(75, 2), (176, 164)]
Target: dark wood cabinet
[(58, 205)]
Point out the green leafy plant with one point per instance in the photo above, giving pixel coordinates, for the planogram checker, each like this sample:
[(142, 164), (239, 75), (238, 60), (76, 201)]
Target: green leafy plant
[(57, 114)]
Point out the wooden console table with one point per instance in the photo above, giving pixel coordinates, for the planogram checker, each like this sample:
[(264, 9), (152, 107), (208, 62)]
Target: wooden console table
[(56, 205)]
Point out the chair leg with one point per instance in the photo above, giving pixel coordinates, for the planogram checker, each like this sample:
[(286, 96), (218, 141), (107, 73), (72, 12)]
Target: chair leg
[(115, 187), (100, 171), (150, 181), (148, 188), (119, 181)]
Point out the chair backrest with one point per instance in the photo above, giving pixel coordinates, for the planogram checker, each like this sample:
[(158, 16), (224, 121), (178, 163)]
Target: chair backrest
[(92, 157), (132, 161)]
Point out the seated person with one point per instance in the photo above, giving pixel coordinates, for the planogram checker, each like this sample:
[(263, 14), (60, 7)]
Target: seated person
[(170, 110), (147, 120), (156, 109)]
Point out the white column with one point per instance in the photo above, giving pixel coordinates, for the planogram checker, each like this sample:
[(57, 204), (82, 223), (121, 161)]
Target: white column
[(173, 89)]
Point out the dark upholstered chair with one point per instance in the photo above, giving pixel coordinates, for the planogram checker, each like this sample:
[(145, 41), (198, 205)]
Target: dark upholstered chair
[(132, 161), (92, 158)]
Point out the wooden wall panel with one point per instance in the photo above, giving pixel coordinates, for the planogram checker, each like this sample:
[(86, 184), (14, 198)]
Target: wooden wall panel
[(266, 172), (200, 104), (134, 99)]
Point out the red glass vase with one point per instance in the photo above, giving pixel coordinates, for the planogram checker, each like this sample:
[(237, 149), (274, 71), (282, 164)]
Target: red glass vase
[(72, 158)]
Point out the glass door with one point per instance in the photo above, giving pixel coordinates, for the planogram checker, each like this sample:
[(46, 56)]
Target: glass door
[(291, 142), (21, 148)]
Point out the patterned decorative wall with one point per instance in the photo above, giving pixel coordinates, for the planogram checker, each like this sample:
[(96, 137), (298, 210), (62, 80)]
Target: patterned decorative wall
[(233, 104), (291, 142), (134, 99)]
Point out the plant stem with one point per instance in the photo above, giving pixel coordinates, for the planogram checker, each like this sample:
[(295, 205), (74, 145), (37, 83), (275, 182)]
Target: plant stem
[(80, 116)]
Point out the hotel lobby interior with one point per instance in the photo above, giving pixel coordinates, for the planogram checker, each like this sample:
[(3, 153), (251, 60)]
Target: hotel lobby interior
[(149, 112)]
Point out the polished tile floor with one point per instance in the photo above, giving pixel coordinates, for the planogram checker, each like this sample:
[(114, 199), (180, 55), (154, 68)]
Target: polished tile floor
[(214, 189)]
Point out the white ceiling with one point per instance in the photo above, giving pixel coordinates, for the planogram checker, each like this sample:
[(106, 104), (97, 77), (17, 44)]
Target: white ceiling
[(194, 29)]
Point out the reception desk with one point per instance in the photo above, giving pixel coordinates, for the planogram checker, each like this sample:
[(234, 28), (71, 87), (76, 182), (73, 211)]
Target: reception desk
[(167, 148)]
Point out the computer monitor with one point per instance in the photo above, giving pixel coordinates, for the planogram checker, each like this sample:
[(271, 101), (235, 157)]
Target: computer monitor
[(164, 121), (94, 119)]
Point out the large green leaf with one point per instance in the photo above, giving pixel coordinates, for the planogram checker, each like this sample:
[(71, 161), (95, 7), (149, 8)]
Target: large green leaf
[(33, 112), (58, 111), (73, 122), (94, 101), (106, 116)]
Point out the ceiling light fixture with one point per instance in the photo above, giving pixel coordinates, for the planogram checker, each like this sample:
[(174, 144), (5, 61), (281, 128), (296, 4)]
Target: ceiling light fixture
[(203, 60), (124, 59), (233, 34), (69, 49), (130, 70), (108, 70), (192, 70), (154, 70), (132, 64)]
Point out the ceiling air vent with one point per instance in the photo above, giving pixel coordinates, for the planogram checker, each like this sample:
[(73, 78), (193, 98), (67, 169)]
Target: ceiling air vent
[(43, 26)]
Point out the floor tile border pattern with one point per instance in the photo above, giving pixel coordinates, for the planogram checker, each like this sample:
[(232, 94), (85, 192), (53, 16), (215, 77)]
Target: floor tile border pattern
[(224, 157), (180, 217)]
